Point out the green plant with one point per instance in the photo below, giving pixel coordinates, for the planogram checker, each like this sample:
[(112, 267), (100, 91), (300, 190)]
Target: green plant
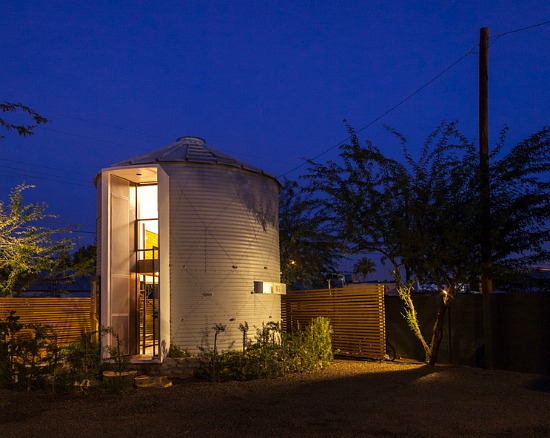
[(31, 358), (244, 329), (319, 338), (28, 353), (218, 328), (28, 251), (38, 356), (117, 361), (273, 354), (176, 352), (9, 328), (82, 361)]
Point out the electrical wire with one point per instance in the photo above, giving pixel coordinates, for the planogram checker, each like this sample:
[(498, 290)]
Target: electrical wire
[(390, 110), (470, 52), (393, 108), (111, 126), (33, 175), (122, 129), (87, 138), (41, 165), (521, 29)]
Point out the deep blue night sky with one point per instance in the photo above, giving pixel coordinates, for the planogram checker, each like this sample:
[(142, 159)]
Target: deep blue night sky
[(268, 83)]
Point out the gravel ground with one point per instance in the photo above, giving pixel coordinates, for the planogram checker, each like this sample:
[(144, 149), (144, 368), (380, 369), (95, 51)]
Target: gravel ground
[(347, 399)]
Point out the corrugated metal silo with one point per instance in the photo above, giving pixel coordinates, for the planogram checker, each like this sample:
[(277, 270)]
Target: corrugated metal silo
[(220, 237)]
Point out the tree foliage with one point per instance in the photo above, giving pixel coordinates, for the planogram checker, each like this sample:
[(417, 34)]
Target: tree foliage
[(422, 212), (520, 190), (308, 250), (364, 266), (21, 128), (83, 261), (27, 248)]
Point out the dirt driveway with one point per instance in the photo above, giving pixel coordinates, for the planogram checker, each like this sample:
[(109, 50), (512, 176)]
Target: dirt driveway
[(348, 399)]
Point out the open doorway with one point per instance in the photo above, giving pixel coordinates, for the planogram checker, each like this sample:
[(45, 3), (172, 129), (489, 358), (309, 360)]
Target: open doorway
[(147, 263)]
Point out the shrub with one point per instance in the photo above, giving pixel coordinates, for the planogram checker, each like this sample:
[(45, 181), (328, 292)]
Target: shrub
[(176, 352), (29, 353), (31, 358), (273, 354), (118, 359), (9, 328), (82, 362)]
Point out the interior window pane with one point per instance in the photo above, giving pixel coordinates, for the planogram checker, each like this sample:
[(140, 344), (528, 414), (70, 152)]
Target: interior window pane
[(147, 201)]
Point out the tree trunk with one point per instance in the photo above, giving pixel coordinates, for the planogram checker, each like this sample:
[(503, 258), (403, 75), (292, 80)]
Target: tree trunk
[(437, 332), (412, 319)]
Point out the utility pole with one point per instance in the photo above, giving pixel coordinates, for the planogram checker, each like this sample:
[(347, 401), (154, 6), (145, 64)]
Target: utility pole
[(485, 197)]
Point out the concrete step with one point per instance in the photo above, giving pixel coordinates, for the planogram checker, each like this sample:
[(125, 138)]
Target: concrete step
[(145, 381)]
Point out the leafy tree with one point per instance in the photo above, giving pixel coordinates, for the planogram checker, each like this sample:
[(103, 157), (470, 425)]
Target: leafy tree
[(27, 248), (364, 266), (308, 250), (70, 267), (21, 129), (520, 189), (422, 214), (83, 261)]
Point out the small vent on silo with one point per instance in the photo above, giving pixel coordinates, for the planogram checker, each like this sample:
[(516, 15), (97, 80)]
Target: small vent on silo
[(191, 140)]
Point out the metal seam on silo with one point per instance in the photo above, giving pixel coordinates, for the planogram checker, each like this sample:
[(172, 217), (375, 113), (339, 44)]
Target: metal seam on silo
[(265, 308), (182, 321), (178, 247), (254, 239), (245, 252), (201, 218), (226, 214)]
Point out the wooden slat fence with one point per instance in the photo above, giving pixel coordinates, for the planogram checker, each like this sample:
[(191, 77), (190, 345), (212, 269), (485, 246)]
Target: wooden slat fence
[(356, 313), (68, 316)]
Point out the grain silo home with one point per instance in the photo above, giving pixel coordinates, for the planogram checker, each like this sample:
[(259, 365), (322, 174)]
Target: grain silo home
[(187, 239)]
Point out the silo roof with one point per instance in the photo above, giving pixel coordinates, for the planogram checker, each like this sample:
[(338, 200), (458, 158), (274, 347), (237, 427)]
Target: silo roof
[(189, 149)]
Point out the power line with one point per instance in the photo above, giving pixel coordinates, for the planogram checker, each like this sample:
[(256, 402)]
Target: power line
[(34, 176), (41, 172), (111, 126), (41, 165), (410, 96), (471, 51), (521, 29), (393, 108), (87, 138), (119, 128)]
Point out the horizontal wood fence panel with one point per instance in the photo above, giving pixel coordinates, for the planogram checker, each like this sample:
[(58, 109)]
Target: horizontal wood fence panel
[(69, 317), (356, 314)]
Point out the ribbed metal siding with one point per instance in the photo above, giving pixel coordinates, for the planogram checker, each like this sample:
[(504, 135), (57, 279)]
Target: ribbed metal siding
[(98, 207), (223, 236)]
